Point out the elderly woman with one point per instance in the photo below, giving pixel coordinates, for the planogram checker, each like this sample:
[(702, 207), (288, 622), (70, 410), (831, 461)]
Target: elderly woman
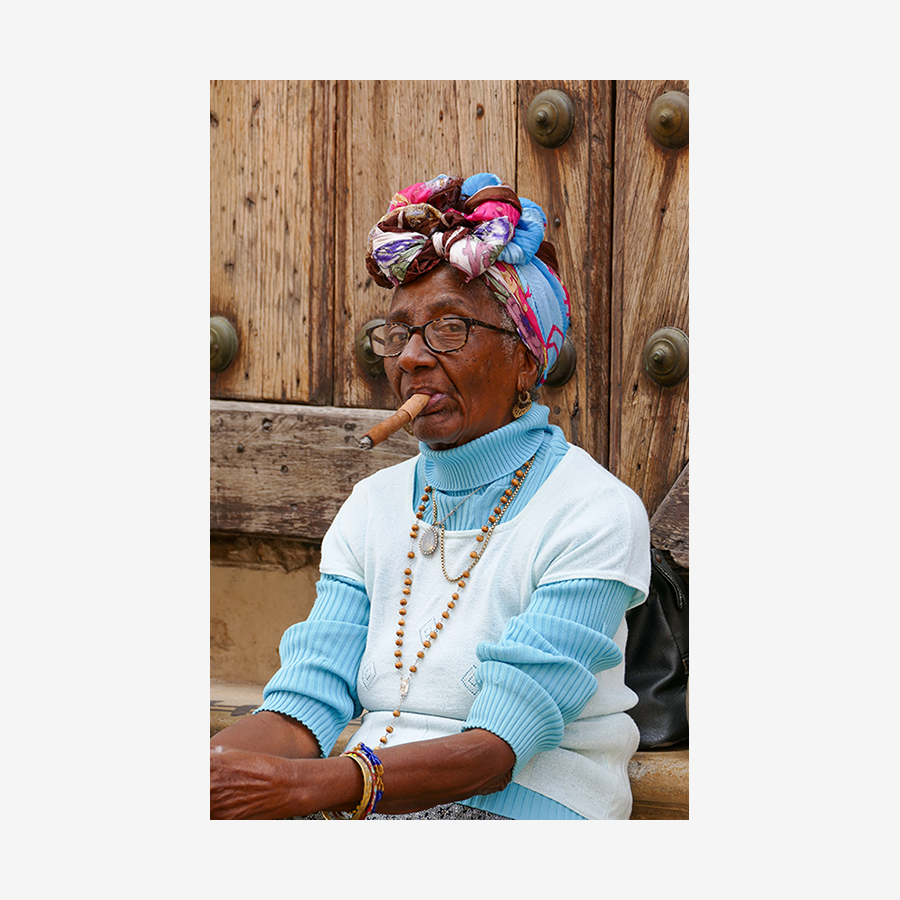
[(471, 599)]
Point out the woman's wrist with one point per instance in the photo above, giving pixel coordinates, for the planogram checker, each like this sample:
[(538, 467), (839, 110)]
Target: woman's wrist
[(334, 784)]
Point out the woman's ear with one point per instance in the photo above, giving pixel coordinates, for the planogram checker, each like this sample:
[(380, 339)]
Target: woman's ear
[(528, 369)]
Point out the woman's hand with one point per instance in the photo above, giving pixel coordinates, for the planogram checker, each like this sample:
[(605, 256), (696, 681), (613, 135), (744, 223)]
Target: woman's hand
[(248, 785)]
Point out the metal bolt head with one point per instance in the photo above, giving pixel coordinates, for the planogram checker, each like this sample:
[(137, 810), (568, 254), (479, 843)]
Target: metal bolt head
[(223, 343), (550, 118), (667, 120), (369, 362), (666, 356)]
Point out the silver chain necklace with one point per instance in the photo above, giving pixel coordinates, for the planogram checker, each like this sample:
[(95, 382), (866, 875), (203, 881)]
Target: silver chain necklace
[(431, 539)]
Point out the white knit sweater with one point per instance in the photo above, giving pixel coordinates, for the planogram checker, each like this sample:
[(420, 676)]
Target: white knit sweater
[(582, 523)]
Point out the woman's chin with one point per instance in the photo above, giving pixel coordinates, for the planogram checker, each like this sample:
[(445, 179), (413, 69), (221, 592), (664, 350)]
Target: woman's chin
[(436, 430)]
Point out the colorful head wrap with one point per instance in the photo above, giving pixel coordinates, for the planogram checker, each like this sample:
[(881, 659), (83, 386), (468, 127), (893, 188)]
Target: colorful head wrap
[(480, 227)]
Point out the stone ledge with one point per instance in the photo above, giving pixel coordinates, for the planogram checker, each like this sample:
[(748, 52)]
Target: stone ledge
[(659, 778)]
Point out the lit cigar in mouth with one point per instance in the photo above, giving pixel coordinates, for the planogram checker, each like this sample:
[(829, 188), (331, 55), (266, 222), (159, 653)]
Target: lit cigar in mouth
[(395, 422)]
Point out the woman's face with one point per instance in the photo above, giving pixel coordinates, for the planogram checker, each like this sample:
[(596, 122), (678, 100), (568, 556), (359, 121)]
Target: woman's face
[(473, 389)]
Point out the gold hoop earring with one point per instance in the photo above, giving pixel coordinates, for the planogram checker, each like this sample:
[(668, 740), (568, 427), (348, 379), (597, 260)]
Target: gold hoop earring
[(523, 404)]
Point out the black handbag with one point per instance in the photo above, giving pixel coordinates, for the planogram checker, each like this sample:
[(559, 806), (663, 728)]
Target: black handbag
[(656, 658)]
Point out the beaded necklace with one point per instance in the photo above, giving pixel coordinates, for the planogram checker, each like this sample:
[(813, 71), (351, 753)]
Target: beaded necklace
[(509, 494)]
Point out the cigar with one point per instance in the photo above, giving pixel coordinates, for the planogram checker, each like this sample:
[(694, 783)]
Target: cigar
[(395, 422)]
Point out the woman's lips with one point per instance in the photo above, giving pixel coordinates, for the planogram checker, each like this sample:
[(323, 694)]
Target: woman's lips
[(434, 401)]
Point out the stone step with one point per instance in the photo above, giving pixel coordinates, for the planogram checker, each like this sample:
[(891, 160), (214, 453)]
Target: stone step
[(659, 778)]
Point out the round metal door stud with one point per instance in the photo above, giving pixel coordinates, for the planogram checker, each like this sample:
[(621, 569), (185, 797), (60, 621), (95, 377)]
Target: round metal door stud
[(223, 344), (370, 362), (550, 118), (564, 367), (668, 120), (666, 356)]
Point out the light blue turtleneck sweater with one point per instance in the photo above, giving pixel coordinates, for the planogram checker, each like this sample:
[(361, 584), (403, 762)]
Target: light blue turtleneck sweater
[(316, 683)]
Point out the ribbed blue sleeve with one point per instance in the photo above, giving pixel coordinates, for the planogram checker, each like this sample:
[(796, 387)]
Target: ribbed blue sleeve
[(540, 674), (320, 658)]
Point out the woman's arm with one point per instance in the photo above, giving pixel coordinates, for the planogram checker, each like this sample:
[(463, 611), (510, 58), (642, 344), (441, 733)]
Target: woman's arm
[(252, 785)]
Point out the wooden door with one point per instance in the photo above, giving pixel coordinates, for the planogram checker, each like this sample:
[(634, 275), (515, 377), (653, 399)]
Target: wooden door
[(300, 171)]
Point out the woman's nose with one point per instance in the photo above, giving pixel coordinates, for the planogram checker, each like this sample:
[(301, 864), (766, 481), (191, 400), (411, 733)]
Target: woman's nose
[(415, 354)]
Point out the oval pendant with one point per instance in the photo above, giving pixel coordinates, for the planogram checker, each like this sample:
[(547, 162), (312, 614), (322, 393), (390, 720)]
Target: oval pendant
[(428, 541)]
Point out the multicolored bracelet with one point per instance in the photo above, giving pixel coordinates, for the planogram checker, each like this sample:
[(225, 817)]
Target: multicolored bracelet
[(373, 786)]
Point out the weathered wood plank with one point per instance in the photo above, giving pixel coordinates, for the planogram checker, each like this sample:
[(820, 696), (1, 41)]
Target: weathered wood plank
[(578, 176), (392, 134), (285, 469), (670, 525), (573, 185), (660, 784), (648, 423), (272, 236)]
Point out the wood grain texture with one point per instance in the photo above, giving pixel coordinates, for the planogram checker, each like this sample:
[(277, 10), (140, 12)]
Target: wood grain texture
[(286, 469), (648, 423), (660, 784), (272, 236), (392, 134), (572, 183)]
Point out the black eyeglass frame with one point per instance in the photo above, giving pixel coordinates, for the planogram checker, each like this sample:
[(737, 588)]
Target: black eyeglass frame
[(412, 329)]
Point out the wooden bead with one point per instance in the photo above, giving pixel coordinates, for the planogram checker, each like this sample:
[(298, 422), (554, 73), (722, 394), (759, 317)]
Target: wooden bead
[(451, 604), (398, 665), (396, 713), (455, 596), (479, 538), (398, 653), (439, 625), (445, 614), (426, 643), (413, 669), (432, 634), (420, 654), (407, 571), (520, 473), (515, 482), (383, 739), (389, 729), (407, 580), (485, 529)]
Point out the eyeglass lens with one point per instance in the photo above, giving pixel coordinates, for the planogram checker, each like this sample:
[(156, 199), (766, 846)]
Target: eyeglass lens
[(441, 336)]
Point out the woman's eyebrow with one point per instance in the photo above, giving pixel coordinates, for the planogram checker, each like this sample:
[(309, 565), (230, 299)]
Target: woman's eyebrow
[(450, 305)]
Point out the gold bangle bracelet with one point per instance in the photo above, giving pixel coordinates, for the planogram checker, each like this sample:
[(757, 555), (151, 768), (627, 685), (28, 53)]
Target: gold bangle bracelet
[(368, 785)]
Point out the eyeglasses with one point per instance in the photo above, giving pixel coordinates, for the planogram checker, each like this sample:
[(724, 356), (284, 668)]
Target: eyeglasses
[(442, 335)]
